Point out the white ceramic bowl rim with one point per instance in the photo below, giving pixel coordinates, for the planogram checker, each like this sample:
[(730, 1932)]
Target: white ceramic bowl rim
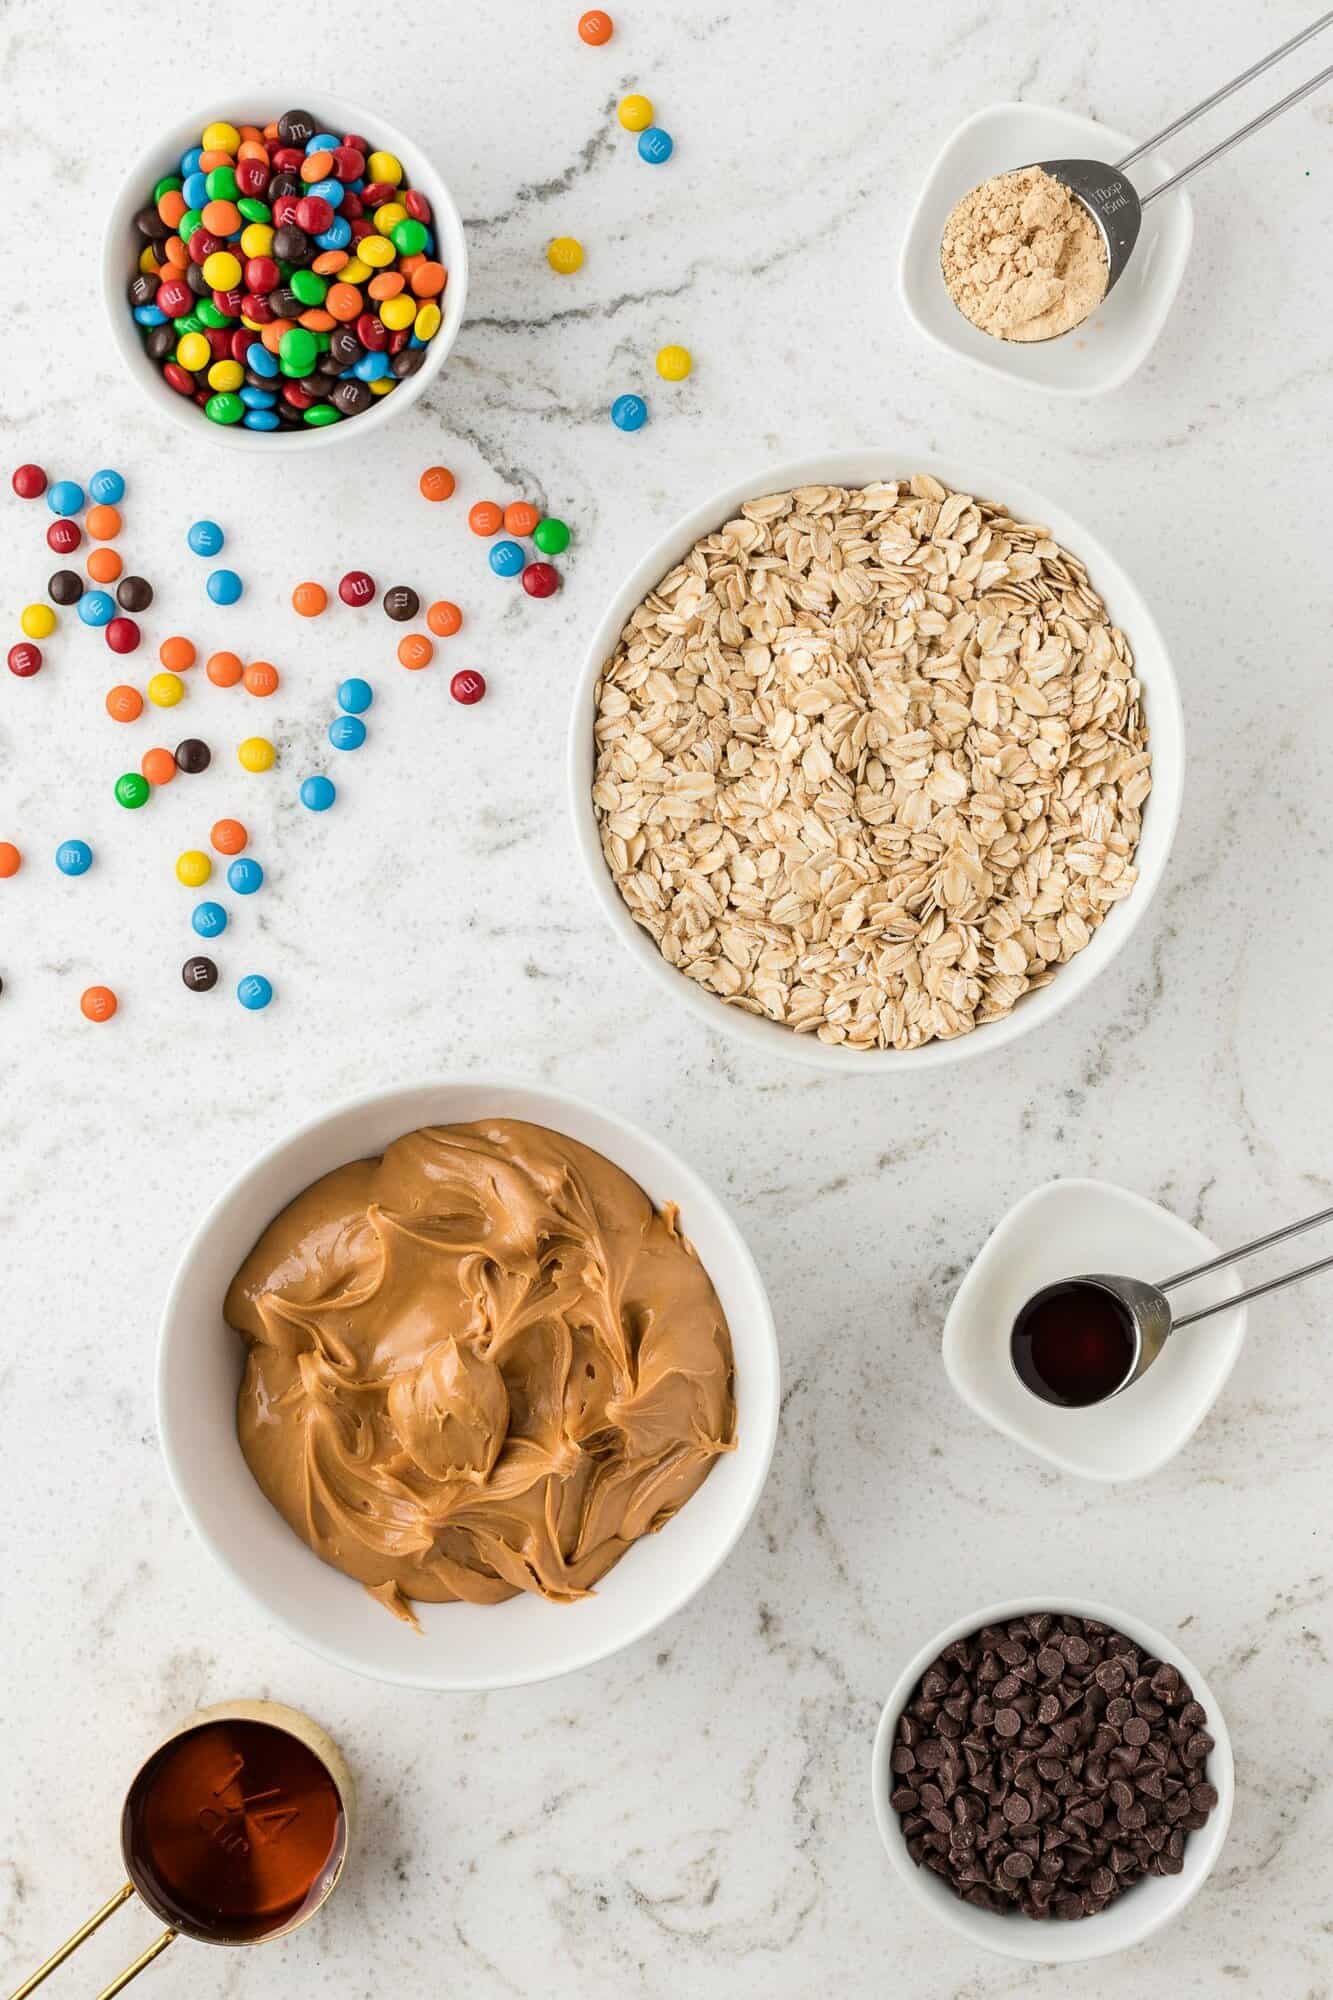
[(762, 1384), (1114, 1928), (855, 467), (162, 155)]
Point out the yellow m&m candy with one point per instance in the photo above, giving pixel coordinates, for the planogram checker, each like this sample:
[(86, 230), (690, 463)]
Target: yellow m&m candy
[(564, 253), (635, 113), (222, 270), (256, 753), (384, 167), (38, 621), (193, 868), (221, 137), (673, 363), (165, 690)]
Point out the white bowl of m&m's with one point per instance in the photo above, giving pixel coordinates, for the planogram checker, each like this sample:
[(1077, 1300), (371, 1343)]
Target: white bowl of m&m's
[(273, 273)]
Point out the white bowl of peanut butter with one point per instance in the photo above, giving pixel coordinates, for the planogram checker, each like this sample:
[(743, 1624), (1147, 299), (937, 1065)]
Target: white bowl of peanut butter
[(482, 1356)]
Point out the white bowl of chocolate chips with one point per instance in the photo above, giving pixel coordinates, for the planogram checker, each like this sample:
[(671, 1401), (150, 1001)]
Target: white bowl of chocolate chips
[(1054, 1781)]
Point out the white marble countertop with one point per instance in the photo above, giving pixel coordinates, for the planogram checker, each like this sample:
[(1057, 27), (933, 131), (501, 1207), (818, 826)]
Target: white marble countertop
[(692, 1816)]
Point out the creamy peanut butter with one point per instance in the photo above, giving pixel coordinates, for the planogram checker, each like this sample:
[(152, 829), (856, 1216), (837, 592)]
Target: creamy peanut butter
[(481, 1364)]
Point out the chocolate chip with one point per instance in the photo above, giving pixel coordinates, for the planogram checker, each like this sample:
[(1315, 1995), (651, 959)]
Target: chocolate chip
[(1048, 1781)]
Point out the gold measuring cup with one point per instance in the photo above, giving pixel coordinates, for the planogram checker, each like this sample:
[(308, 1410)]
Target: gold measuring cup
[(234, 1831)]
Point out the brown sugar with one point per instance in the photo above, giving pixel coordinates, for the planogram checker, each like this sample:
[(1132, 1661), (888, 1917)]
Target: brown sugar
[(1022, 257)]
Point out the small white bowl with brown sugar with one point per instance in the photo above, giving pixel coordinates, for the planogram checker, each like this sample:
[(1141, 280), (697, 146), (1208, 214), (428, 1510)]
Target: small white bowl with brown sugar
[(1102, 350)]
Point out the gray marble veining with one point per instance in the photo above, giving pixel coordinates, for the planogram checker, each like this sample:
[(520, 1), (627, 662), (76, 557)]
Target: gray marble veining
[(693, 1815)]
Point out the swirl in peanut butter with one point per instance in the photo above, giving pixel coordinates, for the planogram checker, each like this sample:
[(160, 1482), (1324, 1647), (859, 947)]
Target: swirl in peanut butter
[(479, 1365)]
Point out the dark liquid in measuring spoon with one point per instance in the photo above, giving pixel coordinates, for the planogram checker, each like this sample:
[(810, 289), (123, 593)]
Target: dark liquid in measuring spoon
[(232, 1830), (1072, 1344)]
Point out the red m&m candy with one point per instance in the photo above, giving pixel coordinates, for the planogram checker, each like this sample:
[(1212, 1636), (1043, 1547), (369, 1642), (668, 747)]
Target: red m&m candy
[(467, 687), (122, 635), (356, 588), (541, 579), (64, 537), (29, 482), (25, 660)]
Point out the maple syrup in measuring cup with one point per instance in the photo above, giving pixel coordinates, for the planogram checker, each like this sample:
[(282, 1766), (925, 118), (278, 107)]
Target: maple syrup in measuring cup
[(233, 1831)]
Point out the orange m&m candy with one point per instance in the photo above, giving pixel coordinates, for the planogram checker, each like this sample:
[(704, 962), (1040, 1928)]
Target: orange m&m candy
[(437, 482), (124, 703), (158, 766), (260, 678), (309, 599), (177, 654), (104, 565), (98, 1003), (102, 523), (224, 669), (10, 859), (343, 301), (520, 517), (221, 218), (428, 279), (596, 27), (415, 651), (485, 518), (444, 618), (229, 836)]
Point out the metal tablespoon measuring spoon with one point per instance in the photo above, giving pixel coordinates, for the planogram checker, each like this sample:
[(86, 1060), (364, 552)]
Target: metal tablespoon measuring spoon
[(1113, 201), (1085, 1339)]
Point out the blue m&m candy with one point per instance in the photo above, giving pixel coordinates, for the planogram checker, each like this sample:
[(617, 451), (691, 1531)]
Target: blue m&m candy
[(97, 607), (259, 361), (507, 559), (656, 146), (318, 793), (355, 696), (629, 413), (224, 586), (245, 876), (206, 538), (347, 732), (209, 919), (74, 857), (65, 496), (254, 991), (107, 487)]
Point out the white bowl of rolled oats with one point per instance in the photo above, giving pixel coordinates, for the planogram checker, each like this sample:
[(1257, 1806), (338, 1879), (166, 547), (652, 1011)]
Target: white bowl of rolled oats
[(860, 763)]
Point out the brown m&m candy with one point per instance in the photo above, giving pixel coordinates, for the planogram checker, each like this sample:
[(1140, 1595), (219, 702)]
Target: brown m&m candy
[(134, 593), (65, 587), (401, 602), (193, 755), (199, 974)]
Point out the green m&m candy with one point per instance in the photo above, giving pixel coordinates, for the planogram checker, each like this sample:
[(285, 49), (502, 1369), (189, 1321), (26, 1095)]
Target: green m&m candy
[(132, 790), (309, 287), (551, 536), (253, 209), (221, 184), (408, 236), (320, 414), (224, 408), (297, 351), (167, 185)]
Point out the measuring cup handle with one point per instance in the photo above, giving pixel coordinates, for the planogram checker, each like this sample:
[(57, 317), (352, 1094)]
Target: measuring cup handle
[(146, 1957), (71, 1944)]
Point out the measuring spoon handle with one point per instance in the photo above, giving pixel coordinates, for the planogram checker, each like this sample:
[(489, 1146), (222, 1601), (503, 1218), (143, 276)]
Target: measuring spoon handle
[(1207, 103), (1247, 1250), (1239, 1298)]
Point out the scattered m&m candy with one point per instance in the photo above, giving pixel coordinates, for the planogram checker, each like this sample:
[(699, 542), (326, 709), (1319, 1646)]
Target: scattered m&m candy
[(635, 112), (415, 651), (98, 1003), (10, 858), (309, 599), (224, 586), (224, 669), (444, 618), (485, 517), (193, 868), (256, 753), (520, 517), (192, 755), (209, 920), (229, 836), (132, 790), (260, 679), (64, 537), (107, 486), (123, 635), (357, 588), (506, 559), (674, 363), (656, 146), (25, 661), (437, 483), (74, 857), (564, 254), (541, 579), (254, 991), (628, 413), (133, 593), (165, 690), (467, 686), (347, 732), (177, 654), (104, 565), (401, 603), (205, 538), (103, 523), (158, 766), (200, 974), (97, 607), (65, 497), (38, 620), (596, 27), (245, 876), (318, 793), (355, 696), (65, 587), (124, 703), (29, 482)]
